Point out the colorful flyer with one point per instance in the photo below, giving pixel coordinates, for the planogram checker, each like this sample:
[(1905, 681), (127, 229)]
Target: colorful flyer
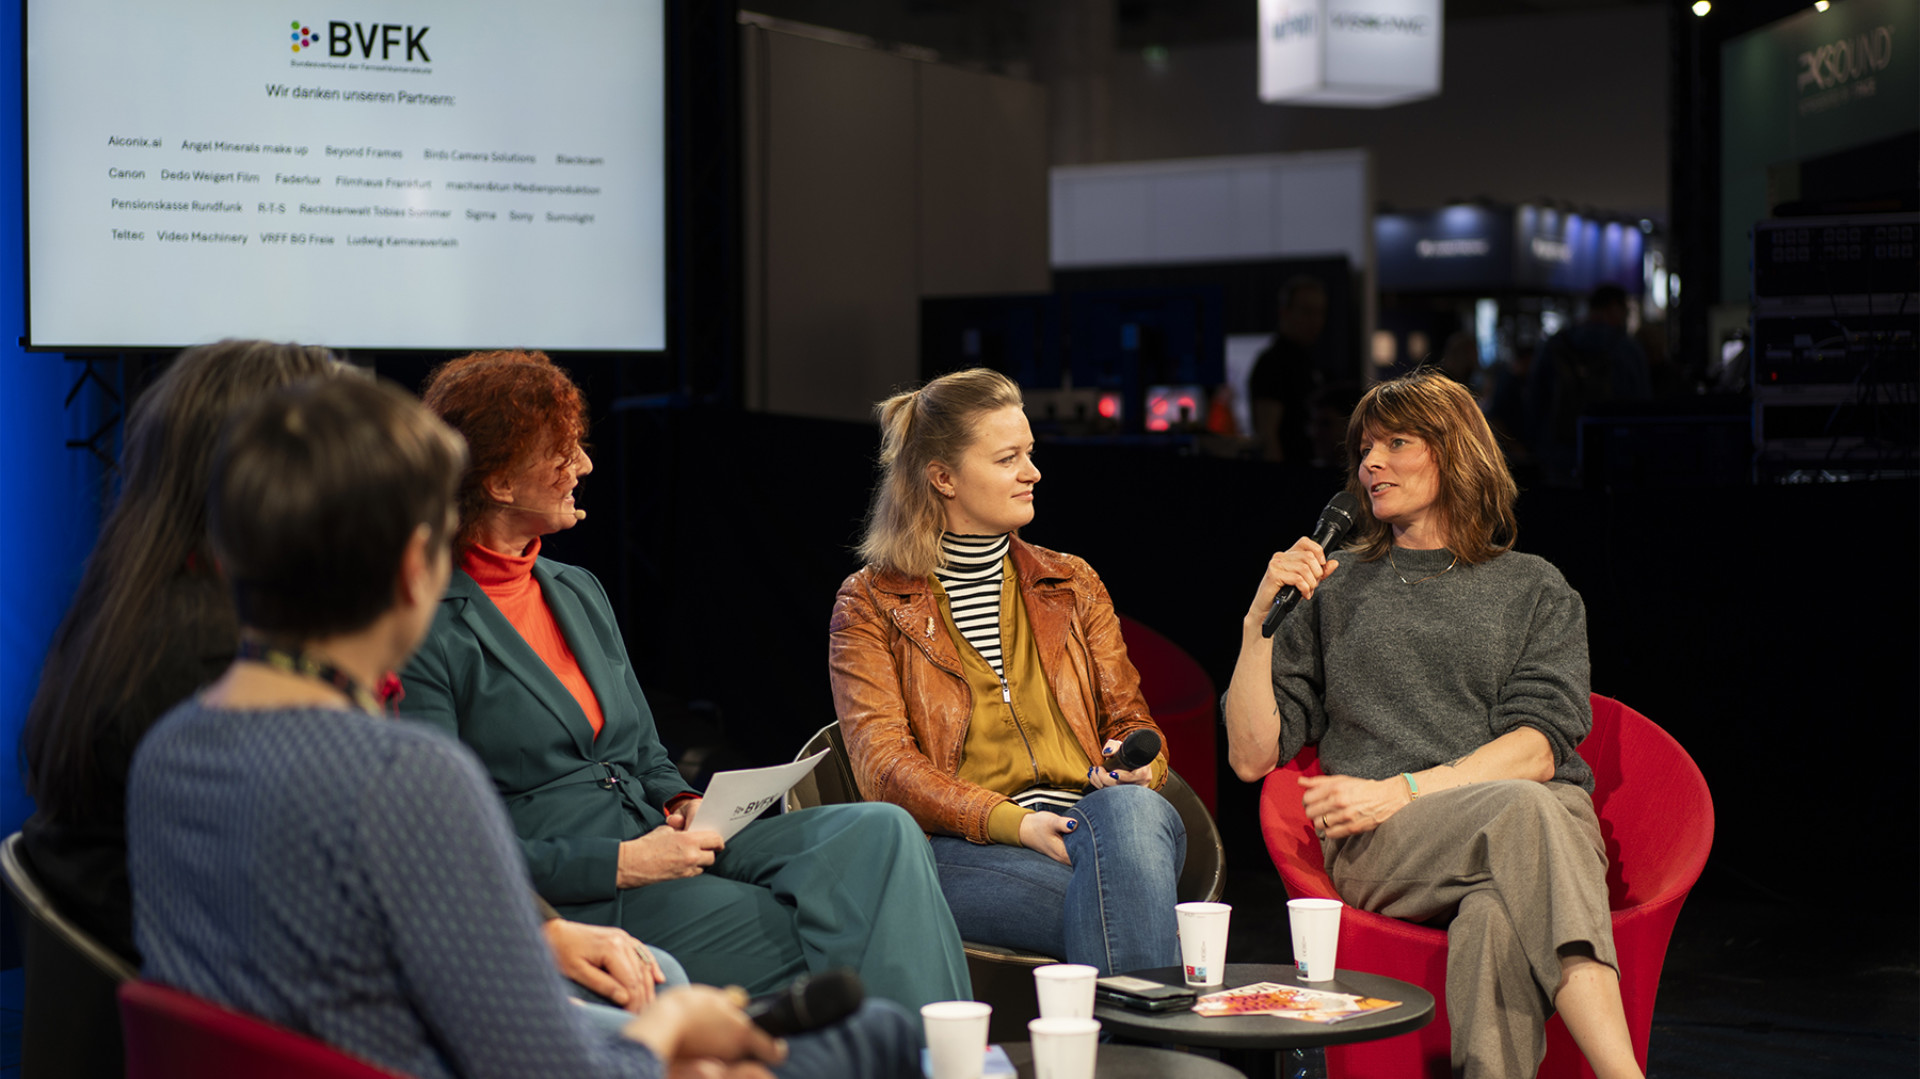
[(1289, 1002)]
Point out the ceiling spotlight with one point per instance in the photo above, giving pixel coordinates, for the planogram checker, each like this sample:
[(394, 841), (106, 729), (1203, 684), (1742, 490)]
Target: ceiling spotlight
[(1701, 7), (1821, 5)]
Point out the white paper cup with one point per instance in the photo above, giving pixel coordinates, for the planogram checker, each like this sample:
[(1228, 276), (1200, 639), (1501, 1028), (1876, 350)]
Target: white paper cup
[(1064, 1048), (1203, 941), (1065, 990), (1316, 936), (956, 1037)]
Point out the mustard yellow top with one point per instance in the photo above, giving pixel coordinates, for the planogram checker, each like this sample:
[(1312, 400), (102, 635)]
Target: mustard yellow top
[(1017, 737)]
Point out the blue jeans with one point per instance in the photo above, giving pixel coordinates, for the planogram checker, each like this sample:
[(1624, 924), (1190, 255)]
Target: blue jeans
[(1112, 909), (880, 1041)]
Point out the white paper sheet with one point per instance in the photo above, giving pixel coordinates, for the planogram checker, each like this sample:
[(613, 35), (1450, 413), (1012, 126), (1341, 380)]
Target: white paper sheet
[(734, 798)]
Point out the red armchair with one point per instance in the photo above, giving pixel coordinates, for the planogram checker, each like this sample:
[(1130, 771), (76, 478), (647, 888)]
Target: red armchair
[(176, 1035), (1184, 704), (1656, 816)]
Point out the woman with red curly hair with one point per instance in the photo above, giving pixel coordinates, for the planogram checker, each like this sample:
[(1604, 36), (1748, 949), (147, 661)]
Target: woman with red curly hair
[(525, 664)]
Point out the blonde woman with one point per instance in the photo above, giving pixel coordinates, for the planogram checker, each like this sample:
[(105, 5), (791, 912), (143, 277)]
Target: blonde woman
[(982, 684)]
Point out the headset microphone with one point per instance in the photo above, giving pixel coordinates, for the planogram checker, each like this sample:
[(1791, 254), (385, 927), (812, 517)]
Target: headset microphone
[(578, 515)]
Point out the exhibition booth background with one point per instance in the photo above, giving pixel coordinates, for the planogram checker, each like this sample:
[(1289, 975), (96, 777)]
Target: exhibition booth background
[(1772, 629)]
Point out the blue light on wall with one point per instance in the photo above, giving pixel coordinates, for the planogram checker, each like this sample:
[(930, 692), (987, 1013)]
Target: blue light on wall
[(53, 493)]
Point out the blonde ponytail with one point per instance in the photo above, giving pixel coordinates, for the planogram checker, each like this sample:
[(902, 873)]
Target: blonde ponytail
[(933, 423)]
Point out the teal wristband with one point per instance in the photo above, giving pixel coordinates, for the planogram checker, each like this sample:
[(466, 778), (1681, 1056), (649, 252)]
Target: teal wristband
[(1413, 789)]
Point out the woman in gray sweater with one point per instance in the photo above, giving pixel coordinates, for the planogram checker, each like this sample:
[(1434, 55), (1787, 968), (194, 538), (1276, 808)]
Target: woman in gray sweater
[(1444, 678)]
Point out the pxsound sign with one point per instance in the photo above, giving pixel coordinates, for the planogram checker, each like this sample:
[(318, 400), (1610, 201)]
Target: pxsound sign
[(1349, 53)]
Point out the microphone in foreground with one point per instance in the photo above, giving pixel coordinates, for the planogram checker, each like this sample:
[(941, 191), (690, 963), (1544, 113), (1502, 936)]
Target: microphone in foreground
[(1335, 520), (809, 1002), (1136, 751)]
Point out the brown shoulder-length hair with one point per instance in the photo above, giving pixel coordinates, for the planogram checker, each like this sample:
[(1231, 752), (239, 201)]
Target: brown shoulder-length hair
[(936, 422), (513, 408), (1476, 494)]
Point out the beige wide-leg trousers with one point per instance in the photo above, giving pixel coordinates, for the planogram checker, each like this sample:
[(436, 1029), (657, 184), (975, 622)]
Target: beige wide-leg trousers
[(1516, 872)]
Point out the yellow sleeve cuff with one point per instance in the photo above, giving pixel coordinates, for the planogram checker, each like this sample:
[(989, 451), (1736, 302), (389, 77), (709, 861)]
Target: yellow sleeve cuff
[(1003, 823)]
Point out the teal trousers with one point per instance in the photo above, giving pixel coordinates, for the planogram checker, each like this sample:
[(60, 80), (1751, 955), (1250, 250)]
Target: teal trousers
[(833, 886)]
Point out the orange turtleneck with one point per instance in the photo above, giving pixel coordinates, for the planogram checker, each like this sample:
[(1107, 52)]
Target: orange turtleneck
[(508, 581)]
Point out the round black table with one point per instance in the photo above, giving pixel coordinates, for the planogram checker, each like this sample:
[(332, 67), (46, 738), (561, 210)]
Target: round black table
[(1131, 1062), (1253, 1042)]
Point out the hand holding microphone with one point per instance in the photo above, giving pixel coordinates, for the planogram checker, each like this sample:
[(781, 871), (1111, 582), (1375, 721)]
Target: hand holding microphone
[(1339, 516), (809, 1002), (1131, 754)]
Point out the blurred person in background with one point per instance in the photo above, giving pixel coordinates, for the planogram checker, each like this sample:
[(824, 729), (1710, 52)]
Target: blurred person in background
[(1280, 388), (1592, 362)]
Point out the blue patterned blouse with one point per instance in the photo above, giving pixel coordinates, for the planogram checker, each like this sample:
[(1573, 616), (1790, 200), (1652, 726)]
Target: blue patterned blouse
[(354, 879)]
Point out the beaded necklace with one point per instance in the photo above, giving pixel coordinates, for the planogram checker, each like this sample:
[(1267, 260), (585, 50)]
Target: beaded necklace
[(300, 663)]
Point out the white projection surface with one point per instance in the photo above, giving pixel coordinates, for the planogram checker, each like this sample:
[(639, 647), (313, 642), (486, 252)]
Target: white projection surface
[(386, 174)]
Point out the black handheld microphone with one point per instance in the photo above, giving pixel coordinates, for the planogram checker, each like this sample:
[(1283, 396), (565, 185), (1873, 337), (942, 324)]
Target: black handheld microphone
[(809, 1002), (1137, 750), (1334, 522)]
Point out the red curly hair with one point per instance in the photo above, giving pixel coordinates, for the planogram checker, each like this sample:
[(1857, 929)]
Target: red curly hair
[(514, 408)]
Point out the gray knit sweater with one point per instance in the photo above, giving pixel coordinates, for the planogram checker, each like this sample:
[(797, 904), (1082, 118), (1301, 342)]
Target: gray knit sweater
[(1388, 678)]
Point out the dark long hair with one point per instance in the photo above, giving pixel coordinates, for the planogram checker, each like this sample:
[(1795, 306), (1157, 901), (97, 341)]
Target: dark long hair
[(156, 531)]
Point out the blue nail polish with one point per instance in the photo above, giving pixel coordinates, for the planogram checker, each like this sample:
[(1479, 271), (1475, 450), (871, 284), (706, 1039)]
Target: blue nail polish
[(1072, 824), (1113, 775)]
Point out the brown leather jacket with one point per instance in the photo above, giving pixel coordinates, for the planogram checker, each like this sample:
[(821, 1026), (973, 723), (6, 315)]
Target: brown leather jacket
[(904, 704)]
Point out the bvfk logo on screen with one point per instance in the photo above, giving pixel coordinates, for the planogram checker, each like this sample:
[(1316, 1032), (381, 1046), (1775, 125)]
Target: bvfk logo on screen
[(352, 38)]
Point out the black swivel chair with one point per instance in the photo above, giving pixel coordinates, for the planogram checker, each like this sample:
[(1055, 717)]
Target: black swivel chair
[(71, 1023)]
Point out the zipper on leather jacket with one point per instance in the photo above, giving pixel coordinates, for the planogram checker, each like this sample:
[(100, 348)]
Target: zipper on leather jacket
[(1006, 698)]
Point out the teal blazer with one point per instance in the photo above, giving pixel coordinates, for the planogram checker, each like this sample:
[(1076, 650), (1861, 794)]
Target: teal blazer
[(573, 798)]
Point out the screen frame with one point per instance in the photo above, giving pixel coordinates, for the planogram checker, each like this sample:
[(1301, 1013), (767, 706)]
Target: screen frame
[(674, 18)]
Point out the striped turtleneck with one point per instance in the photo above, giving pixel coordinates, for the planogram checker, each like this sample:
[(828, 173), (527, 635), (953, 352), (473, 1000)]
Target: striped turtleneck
[(972, 578)]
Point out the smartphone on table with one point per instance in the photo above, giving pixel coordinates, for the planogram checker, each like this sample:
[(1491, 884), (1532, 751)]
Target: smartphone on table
[(1140, 994)]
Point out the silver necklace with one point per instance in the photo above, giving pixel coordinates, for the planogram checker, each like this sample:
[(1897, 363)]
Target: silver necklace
[(1423, 580)]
